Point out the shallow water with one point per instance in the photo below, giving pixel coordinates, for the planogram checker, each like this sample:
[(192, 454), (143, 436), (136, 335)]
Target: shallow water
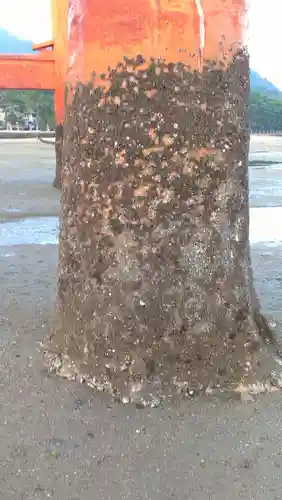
[(265, 228), (265, 185), (32, 231), (265, 225)]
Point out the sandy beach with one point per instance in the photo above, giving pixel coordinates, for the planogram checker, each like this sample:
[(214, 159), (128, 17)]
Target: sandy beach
[(61, 441)]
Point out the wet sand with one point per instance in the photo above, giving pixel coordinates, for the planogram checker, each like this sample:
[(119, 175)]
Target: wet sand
[(59, 440), (26, 167)]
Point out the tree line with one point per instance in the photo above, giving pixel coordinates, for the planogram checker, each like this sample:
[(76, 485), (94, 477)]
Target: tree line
[(15, 105), (265, 109), (265, 112)]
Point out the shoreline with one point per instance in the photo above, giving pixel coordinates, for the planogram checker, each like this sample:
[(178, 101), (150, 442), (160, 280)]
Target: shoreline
[(25, 134)]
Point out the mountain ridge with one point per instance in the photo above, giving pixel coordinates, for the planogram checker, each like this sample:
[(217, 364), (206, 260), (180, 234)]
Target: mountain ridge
[(10, 44), (258, 83)]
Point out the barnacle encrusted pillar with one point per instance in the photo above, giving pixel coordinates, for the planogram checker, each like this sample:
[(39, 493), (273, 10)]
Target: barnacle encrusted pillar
[(155, 287)]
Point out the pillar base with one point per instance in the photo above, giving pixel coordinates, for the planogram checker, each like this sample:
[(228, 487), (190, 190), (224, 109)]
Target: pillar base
[(155, 289)]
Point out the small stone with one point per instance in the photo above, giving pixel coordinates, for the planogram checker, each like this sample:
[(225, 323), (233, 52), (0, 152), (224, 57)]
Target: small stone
[(125, 400), (276, 379)]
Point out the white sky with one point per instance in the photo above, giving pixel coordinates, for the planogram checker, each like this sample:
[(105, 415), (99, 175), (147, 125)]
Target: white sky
[(264, 30)]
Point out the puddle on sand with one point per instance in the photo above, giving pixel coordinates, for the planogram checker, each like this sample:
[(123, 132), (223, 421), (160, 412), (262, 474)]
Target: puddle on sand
[(265, 227), (10, 210), (33, 231)]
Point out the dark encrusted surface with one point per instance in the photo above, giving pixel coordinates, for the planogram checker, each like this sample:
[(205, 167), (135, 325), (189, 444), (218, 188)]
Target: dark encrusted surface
[(155, 282)]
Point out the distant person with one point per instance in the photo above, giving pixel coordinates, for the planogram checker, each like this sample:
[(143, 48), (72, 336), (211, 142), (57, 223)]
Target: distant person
[(31, 123)]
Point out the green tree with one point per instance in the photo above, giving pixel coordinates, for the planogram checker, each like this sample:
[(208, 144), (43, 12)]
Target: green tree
[(265, 112), (18, 103)]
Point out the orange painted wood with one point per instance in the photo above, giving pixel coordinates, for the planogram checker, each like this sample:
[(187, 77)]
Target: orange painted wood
[(60, 37), (27, 72), (101, 32), (43, 45)]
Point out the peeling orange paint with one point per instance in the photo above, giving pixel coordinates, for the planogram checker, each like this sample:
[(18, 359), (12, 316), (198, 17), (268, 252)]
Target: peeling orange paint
[(101, 32)]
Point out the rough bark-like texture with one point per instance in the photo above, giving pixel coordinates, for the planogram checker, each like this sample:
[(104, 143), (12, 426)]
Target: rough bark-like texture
[(59, 156), (155, 288)]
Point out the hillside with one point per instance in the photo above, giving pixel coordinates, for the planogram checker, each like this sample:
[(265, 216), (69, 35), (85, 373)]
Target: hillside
[(262, 85), (10, 44)]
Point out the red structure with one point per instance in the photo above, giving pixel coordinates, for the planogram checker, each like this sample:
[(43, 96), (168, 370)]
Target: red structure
[(154, 35), (45, 70)]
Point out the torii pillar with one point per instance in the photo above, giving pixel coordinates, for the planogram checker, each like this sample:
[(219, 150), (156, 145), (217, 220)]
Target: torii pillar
[(60, 49)]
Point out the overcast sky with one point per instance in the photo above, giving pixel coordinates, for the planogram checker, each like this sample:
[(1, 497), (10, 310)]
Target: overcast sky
[(264, 30)]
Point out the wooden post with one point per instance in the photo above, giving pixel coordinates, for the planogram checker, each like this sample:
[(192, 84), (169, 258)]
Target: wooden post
[(59, 27)]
